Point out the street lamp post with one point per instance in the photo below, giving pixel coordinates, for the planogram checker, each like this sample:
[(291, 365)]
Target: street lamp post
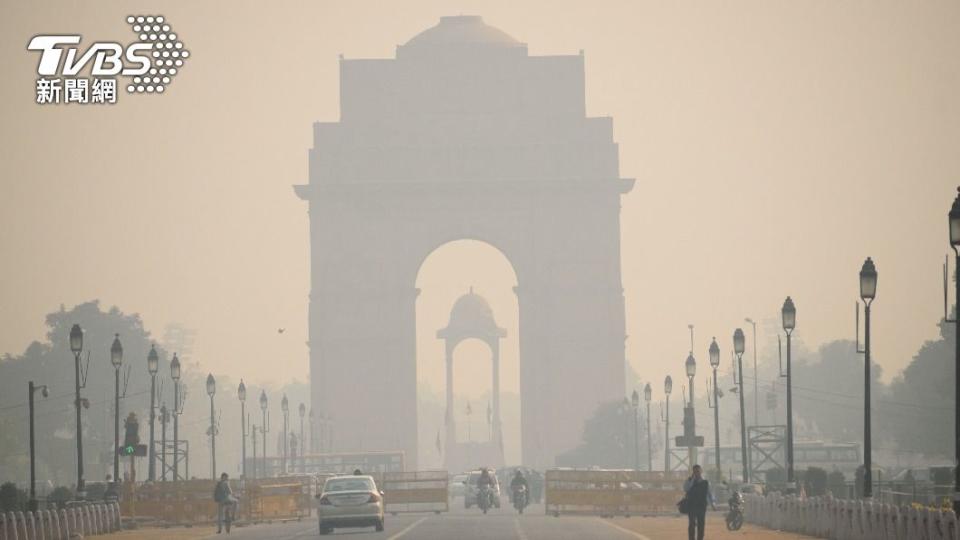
[(211, 390), (116, 358), (31, 389), (635, 402), (756, 376), (690, 417), (954, 217), (647, 396), (153, 364), (175, 376), (313, 441), (738, 348), (715, 363), (242, 396), (303, 462), (868, 291), (285, 408), (76, 347), (667, 389), (164, 418), (264, 428), (789, 317)]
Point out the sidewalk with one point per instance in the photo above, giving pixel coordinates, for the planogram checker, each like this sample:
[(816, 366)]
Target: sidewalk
[(674, 528)]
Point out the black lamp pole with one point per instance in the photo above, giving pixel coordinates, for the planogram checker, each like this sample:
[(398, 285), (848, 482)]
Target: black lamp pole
[(264, 429), (153, 364), (211, 390), (868, 291), (303, 446), (955, 244), (647, 396), (76, 346), (714, 353), (285, 409), (667, 388), (242, 396), (789, 316), (738, 348), (177, 408), (635, 402), (116, 358), (31, 389)]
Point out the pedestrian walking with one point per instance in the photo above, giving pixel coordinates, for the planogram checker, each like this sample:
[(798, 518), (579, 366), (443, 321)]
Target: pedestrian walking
[(698, 494)]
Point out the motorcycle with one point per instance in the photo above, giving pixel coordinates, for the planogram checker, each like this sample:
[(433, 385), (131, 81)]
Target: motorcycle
[(734, 517), (485, 498), (520, 499)]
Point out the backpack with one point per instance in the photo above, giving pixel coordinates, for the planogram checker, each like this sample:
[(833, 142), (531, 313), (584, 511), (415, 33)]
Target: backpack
[(683, 506)]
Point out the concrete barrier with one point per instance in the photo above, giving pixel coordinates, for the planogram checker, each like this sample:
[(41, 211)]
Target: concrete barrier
[(60, 524), (612, 492), (838, 519)]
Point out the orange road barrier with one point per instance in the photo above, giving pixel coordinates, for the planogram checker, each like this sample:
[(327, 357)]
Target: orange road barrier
[(612, 492), (414, 491)]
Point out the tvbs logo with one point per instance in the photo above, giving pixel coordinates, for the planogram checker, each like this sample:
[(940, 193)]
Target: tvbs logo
[(149, 64)]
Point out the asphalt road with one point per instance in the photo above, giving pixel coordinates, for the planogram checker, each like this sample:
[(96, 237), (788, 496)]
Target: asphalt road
[(458, 525)]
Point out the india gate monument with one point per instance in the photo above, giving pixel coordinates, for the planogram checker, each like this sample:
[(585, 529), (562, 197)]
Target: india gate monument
[(464, 135)]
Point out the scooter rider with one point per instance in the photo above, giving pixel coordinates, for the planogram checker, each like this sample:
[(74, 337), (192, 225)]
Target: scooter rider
[(518, 480)]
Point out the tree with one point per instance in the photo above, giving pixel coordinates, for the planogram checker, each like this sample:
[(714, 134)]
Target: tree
[(607, 439), (11, 498)]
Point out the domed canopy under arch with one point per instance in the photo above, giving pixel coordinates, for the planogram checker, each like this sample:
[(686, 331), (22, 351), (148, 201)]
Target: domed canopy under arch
[(471, 317)]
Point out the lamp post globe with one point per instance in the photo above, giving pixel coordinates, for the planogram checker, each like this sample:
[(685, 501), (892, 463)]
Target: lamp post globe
[(242, 391), (635, 399), (284, 404), (668, 385), (153, 360), (691, 366), (175, 368), (868, 281), (955, 221), (738, 342), (647, 393), (714, 354), (116, 352), (789, 315), (211, 385), (76, 339), (263, 400)]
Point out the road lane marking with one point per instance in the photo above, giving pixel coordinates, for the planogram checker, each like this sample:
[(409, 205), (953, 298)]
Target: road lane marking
[(408, 529), (621, 529), (520, 534)]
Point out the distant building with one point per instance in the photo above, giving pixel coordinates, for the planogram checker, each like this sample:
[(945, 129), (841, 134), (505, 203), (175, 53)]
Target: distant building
[(464, 136)]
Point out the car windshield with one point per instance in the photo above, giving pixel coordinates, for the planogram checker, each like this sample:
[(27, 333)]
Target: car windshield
[(348, 484)]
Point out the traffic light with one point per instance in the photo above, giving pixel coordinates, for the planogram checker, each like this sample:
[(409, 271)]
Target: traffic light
[(131, 436)]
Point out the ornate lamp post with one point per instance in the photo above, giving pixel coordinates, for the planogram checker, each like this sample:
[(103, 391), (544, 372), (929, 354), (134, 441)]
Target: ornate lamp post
[(647, 396), (789, 316), (689, 415), (116, 358), (715, 363), (211, 390), (76, 346), (667, 389), (738, 348), (954, 217), (868, 291), (313, 441), (242, 396), (303, 446), (635, 402), (285, 408), (264, 428), (153, 365), (177, 409), (31, 390)]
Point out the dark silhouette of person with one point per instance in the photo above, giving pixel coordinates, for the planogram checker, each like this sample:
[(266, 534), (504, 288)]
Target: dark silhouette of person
[(698, 494)]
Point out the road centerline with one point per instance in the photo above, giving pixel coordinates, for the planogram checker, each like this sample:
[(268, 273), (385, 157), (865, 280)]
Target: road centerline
[(408, 528)]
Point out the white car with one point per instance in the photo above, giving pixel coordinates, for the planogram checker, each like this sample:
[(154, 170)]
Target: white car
[(350, 501)]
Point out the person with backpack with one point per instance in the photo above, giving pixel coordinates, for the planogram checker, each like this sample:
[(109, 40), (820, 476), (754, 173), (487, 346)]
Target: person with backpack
[(698, 494), (223, 496)]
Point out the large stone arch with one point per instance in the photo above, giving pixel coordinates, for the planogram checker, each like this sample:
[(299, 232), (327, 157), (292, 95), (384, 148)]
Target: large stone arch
[(420, 158)]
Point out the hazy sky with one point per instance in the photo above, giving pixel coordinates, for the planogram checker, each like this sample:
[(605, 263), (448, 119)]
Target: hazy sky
[(775, 145)]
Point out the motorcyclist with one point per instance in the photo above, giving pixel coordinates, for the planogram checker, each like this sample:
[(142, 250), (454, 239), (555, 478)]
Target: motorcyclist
[(484, 484), (518, 480)]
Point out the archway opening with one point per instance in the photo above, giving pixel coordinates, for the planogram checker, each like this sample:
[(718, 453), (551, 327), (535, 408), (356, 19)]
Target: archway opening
[(446, 274)]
